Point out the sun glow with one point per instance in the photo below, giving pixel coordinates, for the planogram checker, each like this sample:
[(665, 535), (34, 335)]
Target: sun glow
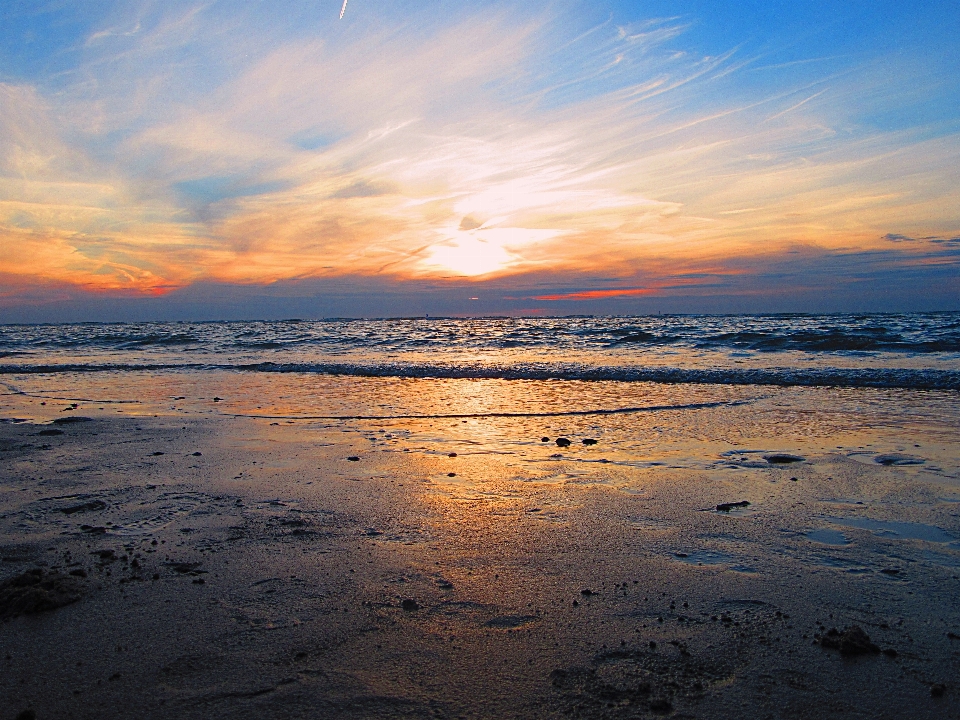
[(483, 251)]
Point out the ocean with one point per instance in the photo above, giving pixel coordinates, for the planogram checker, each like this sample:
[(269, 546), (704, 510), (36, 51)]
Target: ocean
[(678, 389)]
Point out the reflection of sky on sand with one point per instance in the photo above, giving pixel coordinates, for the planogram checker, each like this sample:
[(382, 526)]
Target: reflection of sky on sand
[(482, 481), (688, 426)]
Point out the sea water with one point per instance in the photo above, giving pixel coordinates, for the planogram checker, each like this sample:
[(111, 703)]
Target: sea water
[(678, 390)]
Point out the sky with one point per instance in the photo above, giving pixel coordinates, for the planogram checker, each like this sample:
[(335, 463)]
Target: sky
[(230, 160)]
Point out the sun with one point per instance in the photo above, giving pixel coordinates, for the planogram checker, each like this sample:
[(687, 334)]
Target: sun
[(482, 251)]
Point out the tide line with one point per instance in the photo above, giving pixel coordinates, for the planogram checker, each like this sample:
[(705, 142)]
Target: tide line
[(460, 416)]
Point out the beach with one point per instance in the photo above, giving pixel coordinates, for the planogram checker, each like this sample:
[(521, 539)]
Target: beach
[(432, 547)]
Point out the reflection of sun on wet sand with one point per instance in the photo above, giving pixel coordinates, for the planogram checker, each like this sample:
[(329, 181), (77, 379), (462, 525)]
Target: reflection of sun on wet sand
[(227, 567)]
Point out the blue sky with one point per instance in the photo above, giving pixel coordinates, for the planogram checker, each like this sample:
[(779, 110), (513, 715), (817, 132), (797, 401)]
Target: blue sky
[(215, 159)]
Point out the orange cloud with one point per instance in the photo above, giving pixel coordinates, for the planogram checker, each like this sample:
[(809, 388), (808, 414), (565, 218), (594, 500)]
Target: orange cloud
[(596, 294)]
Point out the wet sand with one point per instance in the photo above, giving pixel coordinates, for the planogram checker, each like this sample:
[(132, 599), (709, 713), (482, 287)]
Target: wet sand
[(162, 567)]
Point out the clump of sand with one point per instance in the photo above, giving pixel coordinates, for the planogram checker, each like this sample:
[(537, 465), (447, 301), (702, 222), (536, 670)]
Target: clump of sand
[(35, 591)]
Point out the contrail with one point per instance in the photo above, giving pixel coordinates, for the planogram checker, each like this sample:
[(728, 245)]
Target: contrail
[(343, 9)]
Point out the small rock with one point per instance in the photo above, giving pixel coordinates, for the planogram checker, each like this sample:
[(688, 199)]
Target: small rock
[(890, 652), (198, 454), (79, 572), (71, 419), (27, 714), (155, 454), (34, 592), (409, 605), (727, 507), (589, 441), (938, 690), (544, 439), (563, 442), (451, 474), (587, 592), (353, 458), (851, 642)]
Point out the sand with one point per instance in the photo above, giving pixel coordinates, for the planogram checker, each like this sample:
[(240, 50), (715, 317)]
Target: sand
[(225, 567)]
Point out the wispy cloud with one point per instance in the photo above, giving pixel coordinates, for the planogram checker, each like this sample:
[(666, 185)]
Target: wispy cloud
[(482, 146)]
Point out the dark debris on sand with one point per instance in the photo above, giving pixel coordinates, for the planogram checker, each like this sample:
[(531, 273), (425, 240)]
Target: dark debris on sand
[(727, 507), (91, 506), (71, 420), (851, 642), (34, 592), (635, 680)]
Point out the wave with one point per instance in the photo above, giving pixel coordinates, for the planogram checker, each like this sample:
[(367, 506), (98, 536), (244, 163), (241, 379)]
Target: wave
[(879, 340), (900, 334), (893, 378)]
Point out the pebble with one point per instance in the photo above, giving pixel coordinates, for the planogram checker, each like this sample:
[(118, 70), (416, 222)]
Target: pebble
[(852, 641), (727, 507), (563, 442)]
